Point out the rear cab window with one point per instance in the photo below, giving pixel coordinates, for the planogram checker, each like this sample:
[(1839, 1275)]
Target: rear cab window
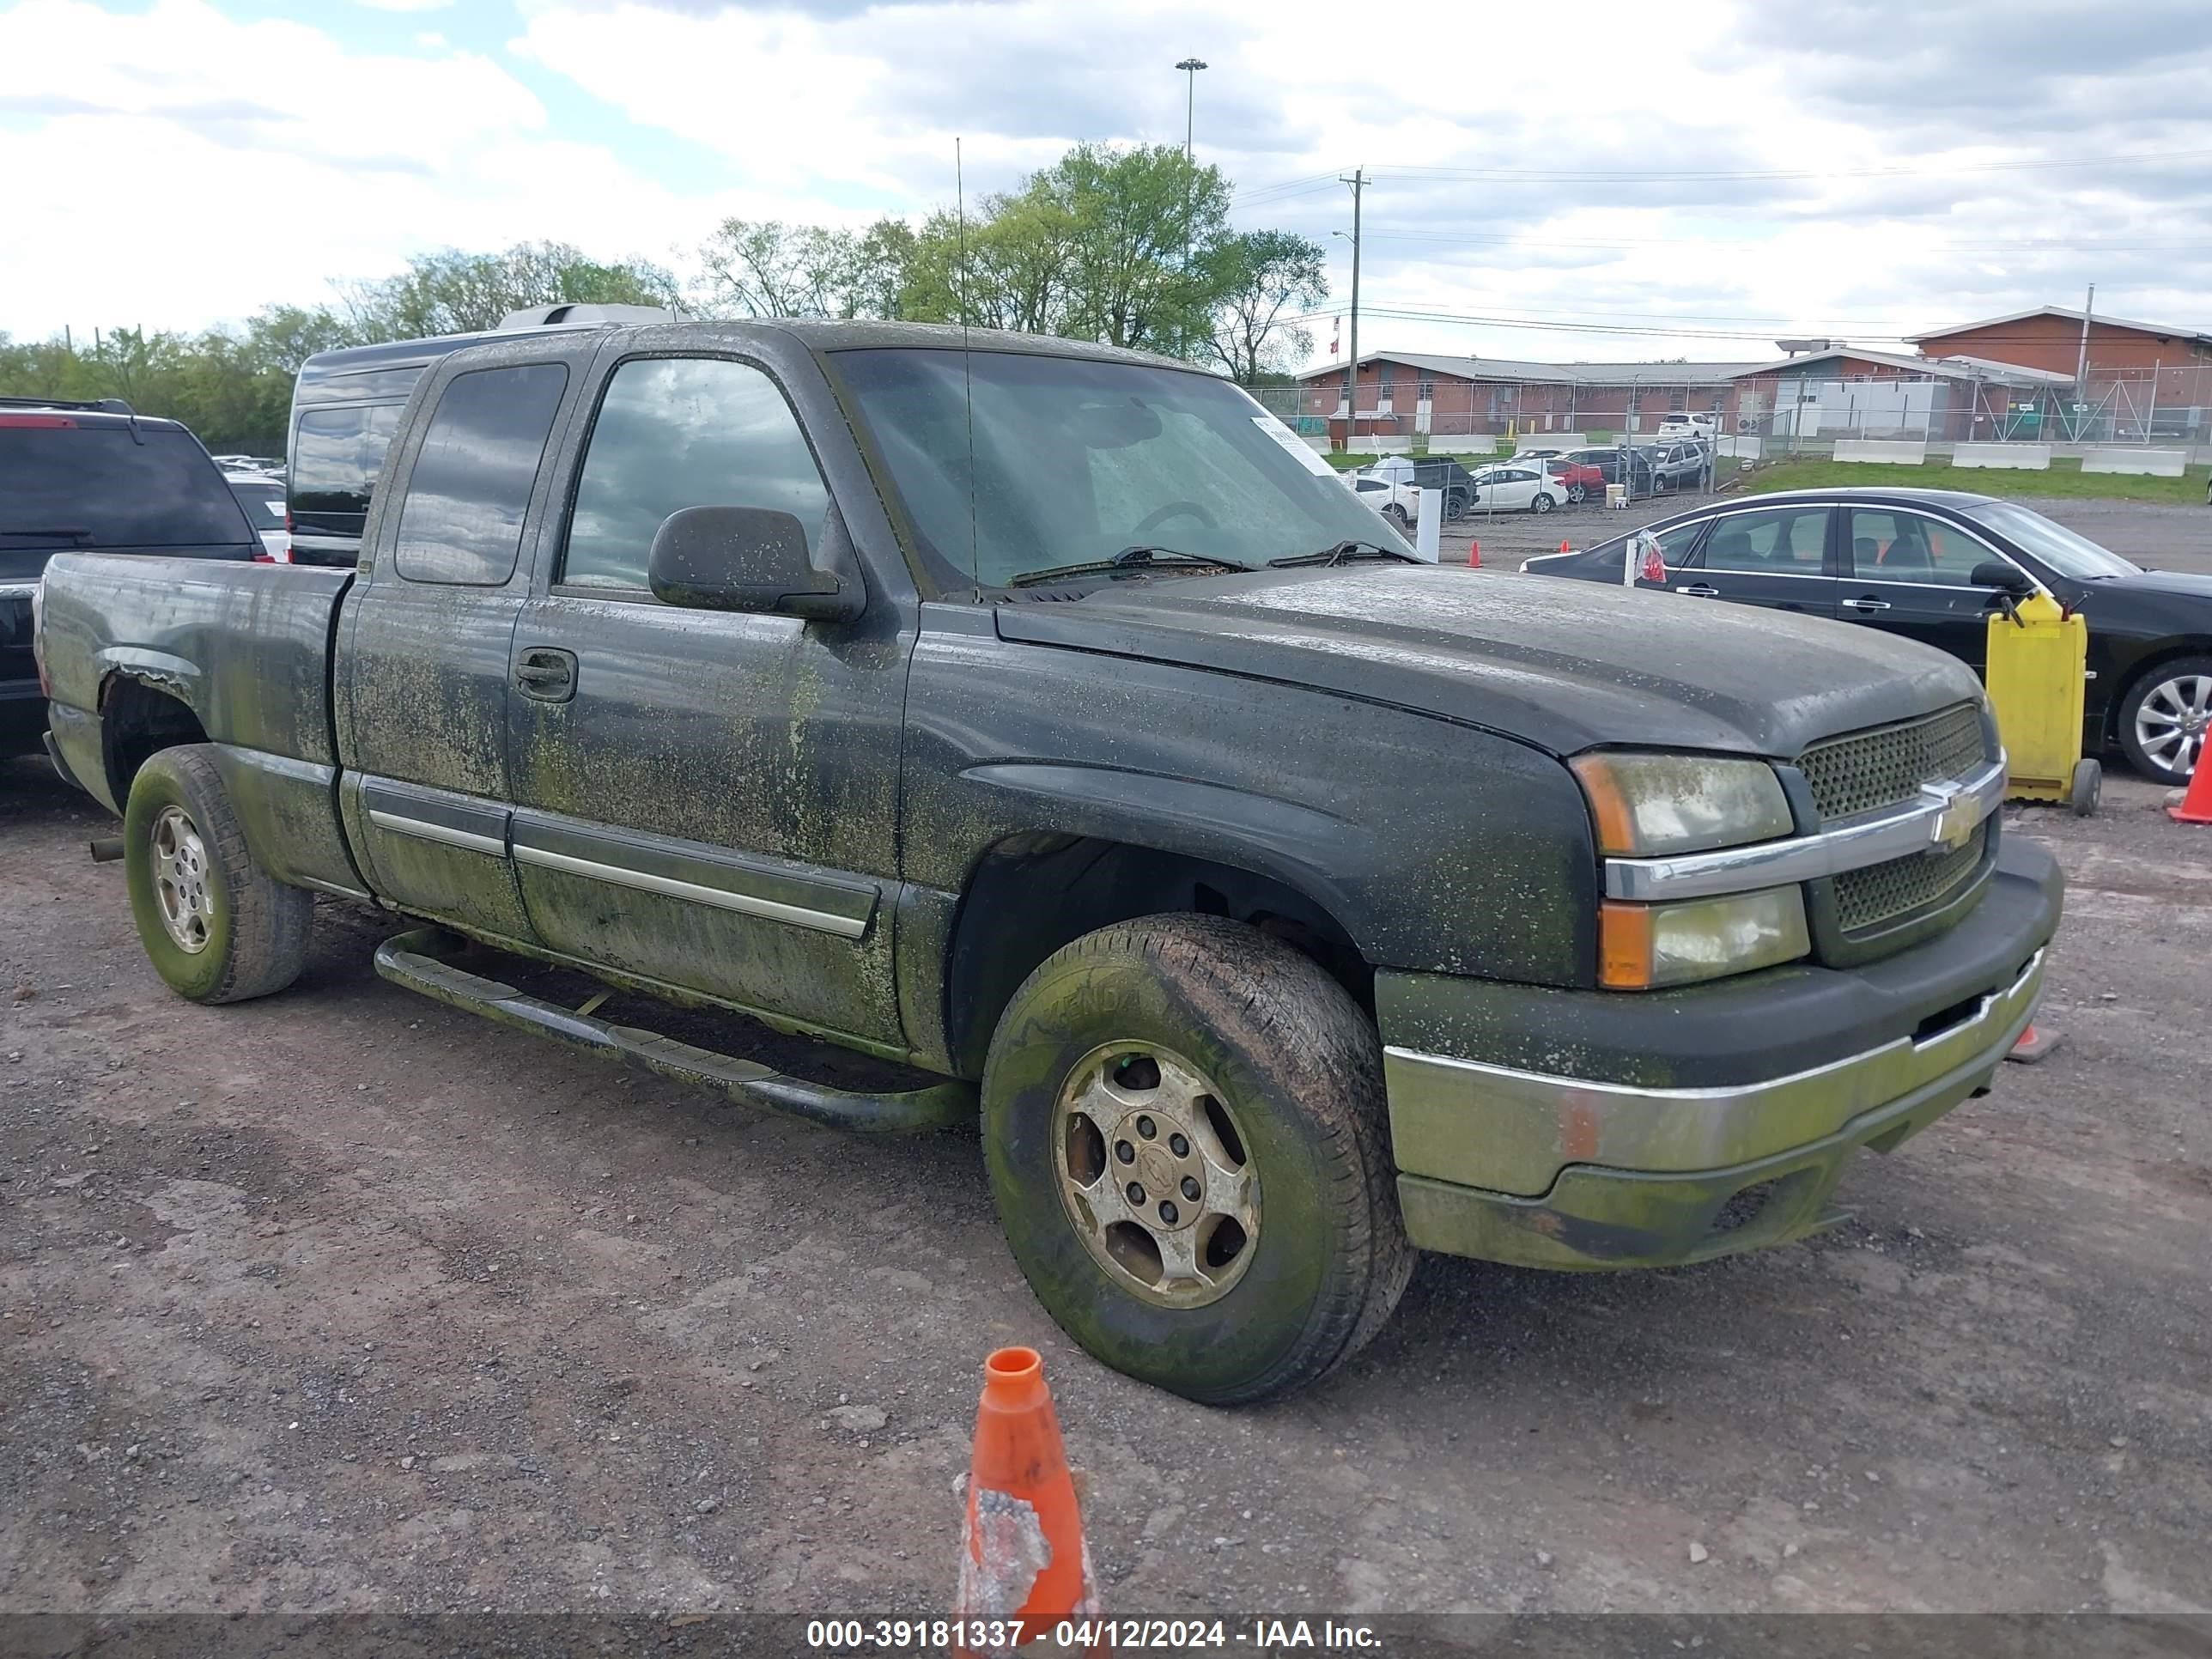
[(70, 484), (460, 524)]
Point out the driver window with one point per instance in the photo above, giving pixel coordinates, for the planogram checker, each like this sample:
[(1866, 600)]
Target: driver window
[(678, 432)]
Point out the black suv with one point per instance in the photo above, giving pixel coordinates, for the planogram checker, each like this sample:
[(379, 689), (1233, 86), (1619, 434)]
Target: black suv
[(94, 478)]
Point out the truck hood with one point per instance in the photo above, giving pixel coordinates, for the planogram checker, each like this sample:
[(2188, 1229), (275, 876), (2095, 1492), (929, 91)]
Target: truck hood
[(1563, 665)]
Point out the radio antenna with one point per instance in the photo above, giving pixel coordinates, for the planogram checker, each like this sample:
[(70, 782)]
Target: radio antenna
[(966, 364)]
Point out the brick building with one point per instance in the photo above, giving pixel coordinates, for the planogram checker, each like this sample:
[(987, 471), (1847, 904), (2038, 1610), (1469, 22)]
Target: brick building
[(1405, 393), (2138, 379)]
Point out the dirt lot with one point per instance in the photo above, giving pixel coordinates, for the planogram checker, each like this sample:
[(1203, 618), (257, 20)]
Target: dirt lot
[(347, 1300)]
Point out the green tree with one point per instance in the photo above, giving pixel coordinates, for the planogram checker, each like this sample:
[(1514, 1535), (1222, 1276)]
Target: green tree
[(1144, 221), (765, 268), (457, 293), (1257, 277)]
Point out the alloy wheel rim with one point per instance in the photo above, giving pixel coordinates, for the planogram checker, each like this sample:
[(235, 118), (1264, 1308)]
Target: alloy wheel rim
[(1155, 1175), (2173, 719), (184, 889)]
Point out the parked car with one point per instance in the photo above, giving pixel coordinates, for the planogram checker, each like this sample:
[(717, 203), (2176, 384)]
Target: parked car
[(270, 464), (94, 477), (1917, 563), (1678, 467), (1582, 480), (1401, 503), (345, 408), (1428, 472), (1614, 464), (1513, 488), (1117, 814), (1702, 426), (263, 498)]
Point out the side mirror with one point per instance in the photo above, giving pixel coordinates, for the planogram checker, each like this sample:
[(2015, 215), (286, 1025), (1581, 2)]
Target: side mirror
[(744, 558), (2005, 578)]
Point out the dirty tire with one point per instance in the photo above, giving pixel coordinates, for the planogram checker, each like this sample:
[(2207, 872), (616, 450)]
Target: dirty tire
[(1301, 1067), (257, 938)]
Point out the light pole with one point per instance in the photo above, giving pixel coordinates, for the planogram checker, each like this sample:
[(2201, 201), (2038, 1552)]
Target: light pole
[(1190, 67)]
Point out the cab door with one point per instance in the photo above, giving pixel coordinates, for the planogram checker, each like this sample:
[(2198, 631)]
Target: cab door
[(425, 635), (706, 799)]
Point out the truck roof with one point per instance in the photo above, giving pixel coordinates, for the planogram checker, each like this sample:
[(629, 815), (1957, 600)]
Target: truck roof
[(816, 334)]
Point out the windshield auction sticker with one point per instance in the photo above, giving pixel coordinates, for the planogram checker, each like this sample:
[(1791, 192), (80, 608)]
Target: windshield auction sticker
[(1310, 458)]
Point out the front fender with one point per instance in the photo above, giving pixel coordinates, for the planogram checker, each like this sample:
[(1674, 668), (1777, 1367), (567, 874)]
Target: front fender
[(1435, 846)]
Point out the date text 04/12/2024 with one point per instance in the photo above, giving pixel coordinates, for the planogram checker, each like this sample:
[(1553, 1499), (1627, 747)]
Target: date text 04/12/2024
[(1259, 1636)]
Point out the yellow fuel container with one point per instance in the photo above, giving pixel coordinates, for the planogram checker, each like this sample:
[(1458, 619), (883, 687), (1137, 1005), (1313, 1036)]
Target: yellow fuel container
[(2038, 659)]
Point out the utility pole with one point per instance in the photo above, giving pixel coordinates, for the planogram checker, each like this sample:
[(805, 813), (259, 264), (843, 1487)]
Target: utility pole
[(2082, 366), (1357, 181)]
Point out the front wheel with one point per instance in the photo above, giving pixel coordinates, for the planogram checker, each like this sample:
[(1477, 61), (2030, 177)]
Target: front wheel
[(217, 927), (1455, 505), (2166, 719), (1183, 1121)]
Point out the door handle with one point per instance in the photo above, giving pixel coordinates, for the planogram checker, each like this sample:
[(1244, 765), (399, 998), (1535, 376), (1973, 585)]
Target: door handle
[(546, 673), (1698, 591), (1869, 606)]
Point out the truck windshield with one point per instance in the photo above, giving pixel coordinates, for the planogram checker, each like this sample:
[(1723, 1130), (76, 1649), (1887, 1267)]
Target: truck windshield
[(1073, 461), (103, 489)]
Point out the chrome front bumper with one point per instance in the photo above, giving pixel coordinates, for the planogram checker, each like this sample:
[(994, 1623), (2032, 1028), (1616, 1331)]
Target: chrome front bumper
[(1555, 1171)]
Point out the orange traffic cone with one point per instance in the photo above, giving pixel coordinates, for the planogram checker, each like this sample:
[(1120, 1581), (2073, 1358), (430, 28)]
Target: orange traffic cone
[(1474, 556), (1564, 548), (2033, 1045), (2197, 805), (1022, 1555)]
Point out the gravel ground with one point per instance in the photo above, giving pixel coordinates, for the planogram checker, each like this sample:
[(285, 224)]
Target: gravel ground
[(346, 1300)]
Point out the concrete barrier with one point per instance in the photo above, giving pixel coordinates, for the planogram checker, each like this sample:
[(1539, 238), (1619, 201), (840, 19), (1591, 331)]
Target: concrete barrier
[(1880, 449), (1739, 444), (2147, 463), (2017, 458)]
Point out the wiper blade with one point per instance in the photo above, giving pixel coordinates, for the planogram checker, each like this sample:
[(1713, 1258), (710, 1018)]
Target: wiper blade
[(1125, 559), (1344, 552)]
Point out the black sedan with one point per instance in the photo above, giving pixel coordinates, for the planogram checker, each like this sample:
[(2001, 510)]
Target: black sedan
[(1919, 562)]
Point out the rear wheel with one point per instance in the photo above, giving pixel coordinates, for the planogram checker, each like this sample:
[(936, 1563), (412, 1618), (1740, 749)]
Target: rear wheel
[(216, 926), (1577, 494), (2166, 719), (1183, 1121), (1543, 503), (1396, 514)]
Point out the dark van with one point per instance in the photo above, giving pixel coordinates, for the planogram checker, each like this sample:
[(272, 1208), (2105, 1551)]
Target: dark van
[(345, 407)]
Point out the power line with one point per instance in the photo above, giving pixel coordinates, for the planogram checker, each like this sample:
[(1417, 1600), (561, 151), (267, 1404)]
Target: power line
[(1992, 244), (1582, 175)]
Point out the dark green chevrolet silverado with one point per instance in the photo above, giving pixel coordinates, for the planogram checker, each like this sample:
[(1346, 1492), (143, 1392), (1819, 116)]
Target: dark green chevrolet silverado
[(1045, 719)]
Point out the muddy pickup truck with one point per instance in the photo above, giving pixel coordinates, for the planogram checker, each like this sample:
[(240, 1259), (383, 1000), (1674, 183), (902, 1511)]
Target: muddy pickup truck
[(1045, 719)]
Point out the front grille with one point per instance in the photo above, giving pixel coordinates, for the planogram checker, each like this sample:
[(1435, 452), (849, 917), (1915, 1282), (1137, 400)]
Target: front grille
[(1857, 773), (1883, 892)]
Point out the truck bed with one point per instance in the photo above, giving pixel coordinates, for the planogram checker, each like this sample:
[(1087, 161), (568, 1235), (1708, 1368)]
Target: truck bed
[(242, 650)]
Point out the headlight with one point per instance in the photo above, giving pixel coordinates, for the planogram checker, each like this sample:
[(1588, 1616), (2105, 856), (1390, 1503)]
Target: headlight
[(1641, 947), (1649, 806), (1657, 806)]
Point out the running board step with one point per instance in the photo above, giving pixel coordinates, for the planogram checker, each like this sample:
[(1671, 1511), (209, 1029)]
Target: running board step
[(413, 960)]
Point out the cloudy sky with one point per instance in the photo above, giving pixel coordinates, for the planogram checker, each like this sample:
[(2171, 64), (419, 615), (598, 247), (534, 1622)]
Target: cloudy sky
[(1597, 181)]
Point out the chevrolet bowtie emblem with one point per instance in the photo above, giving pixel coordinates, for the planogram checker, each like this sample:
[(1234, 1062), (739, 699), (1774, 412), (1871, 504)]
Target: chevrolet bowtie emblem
[(1953, 825)]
